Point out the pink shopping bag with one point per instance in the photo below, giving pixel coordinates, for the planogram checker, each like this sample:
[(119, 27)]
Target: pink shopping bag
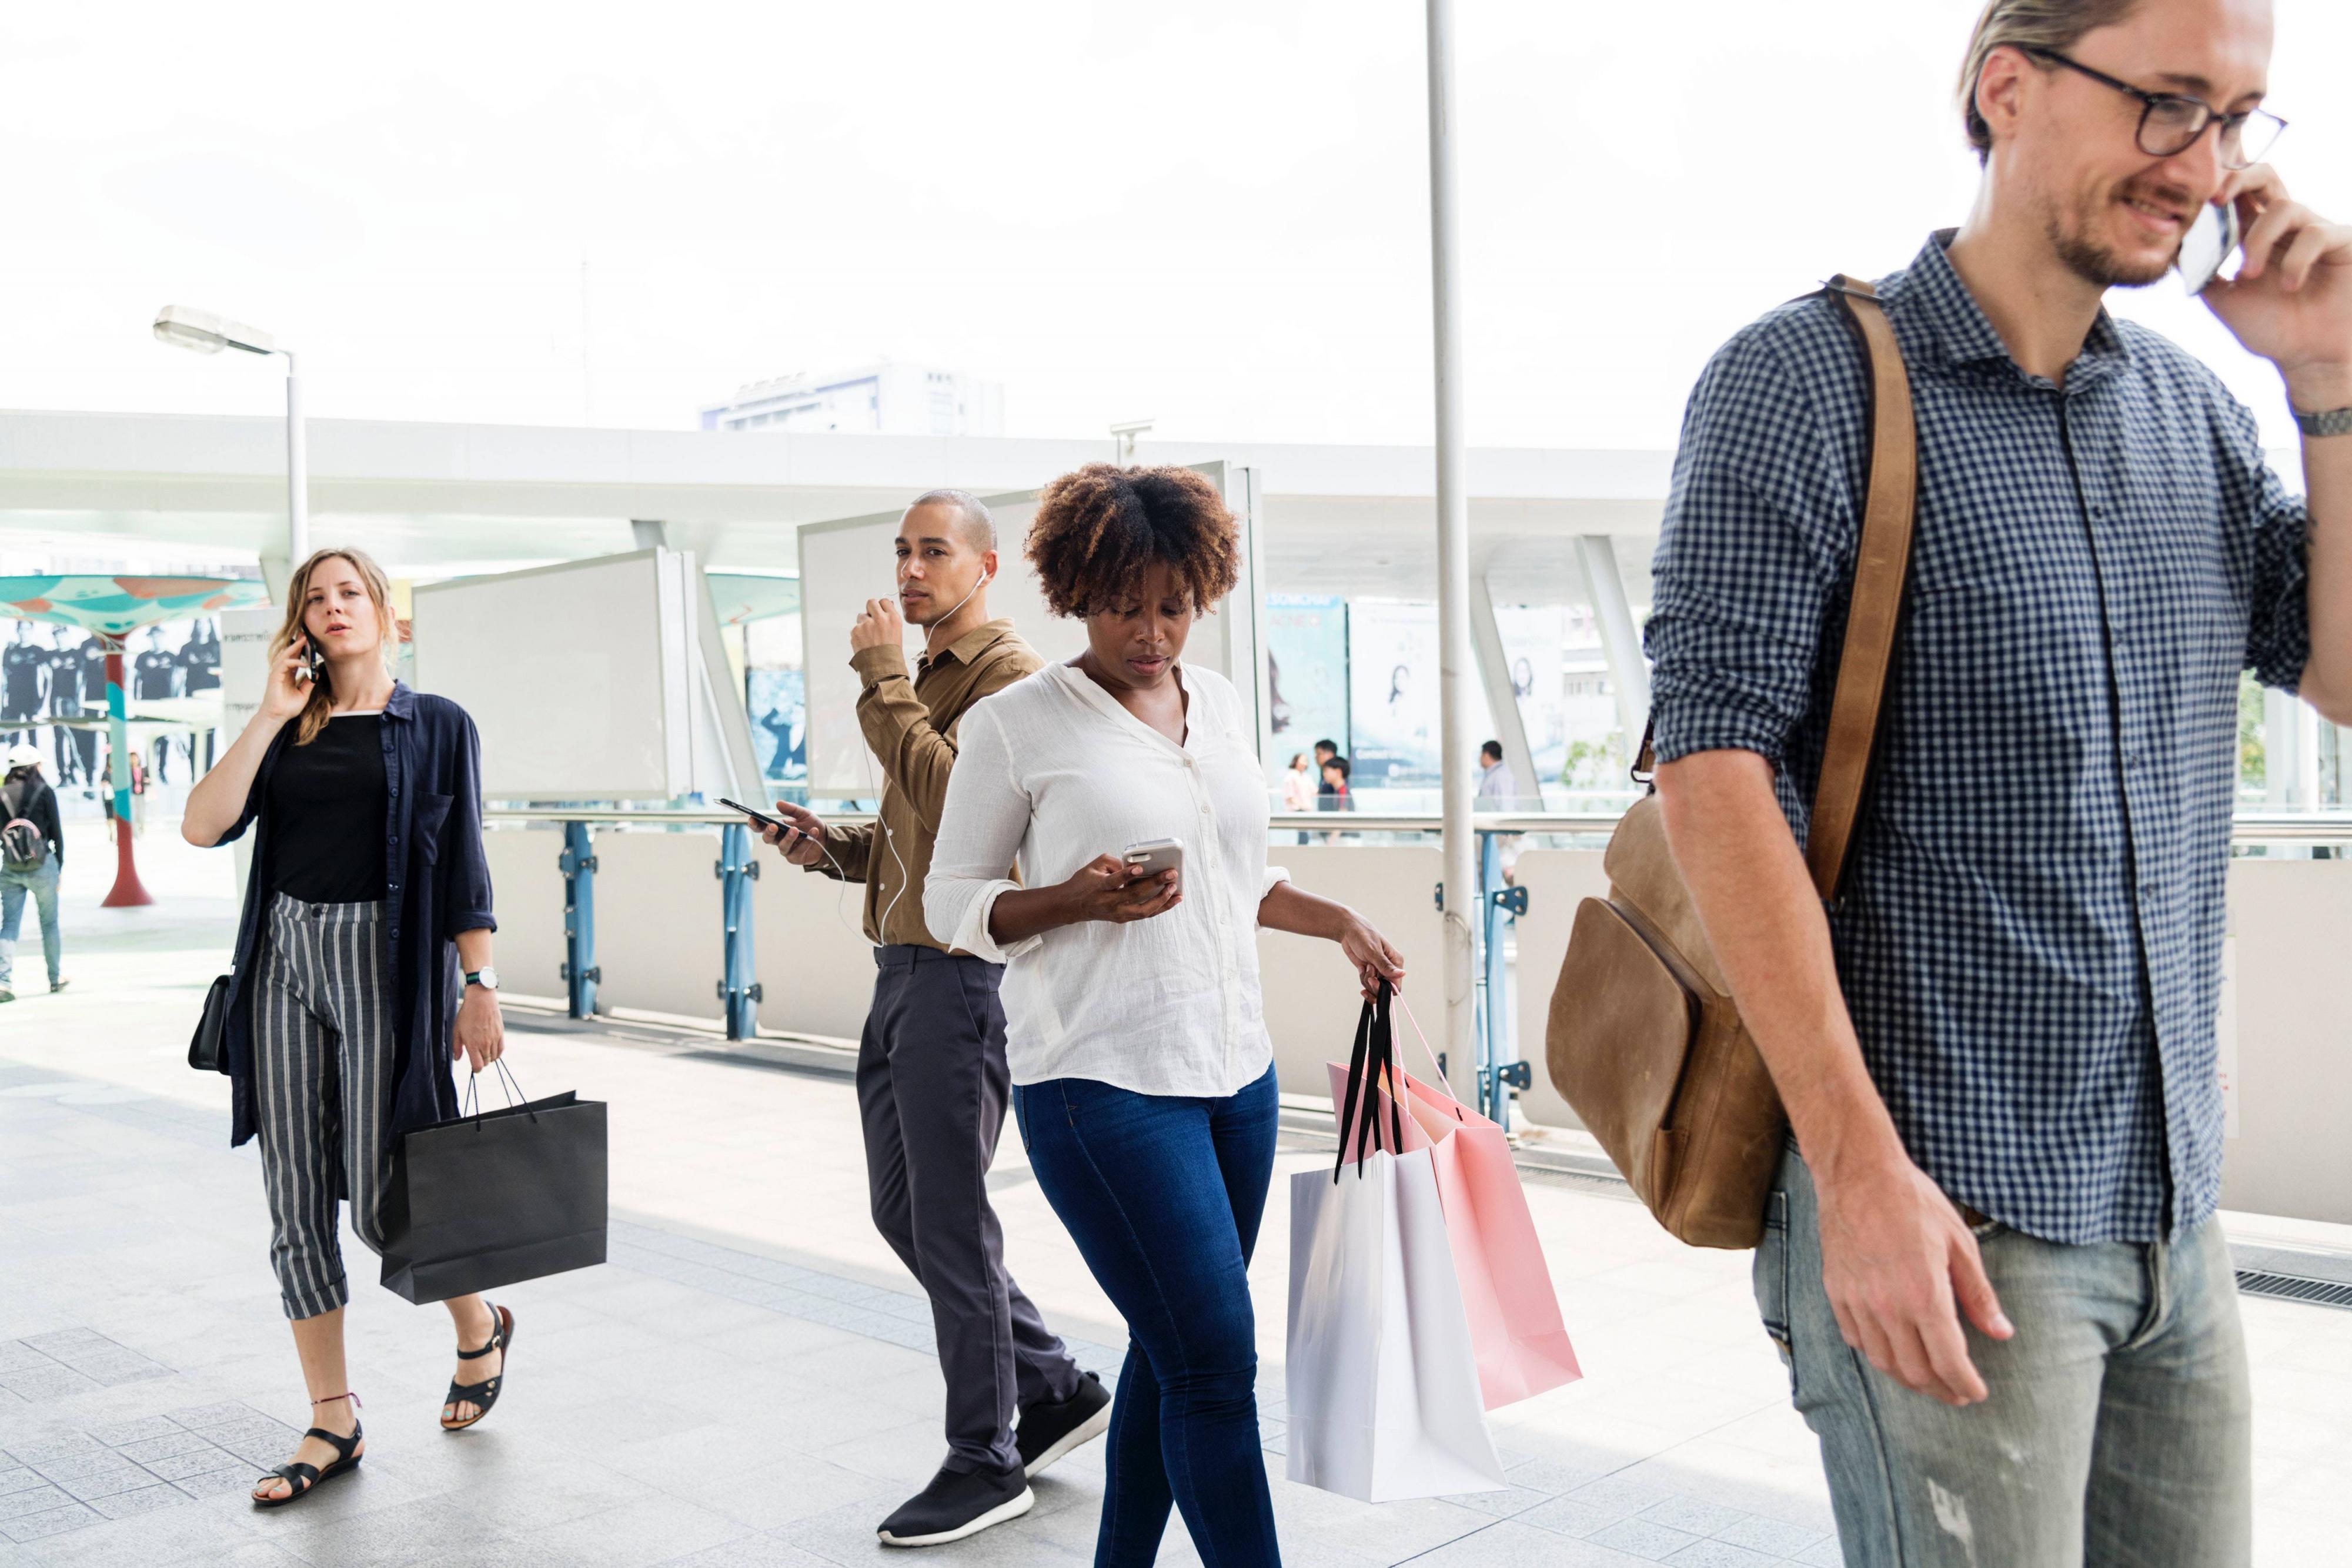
[(1516, 1331)]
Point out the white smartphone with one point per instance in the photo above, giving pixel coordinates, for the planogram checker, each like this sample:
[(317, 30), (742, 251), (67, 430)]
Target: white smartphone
[(2212, 238), (1154, 856)]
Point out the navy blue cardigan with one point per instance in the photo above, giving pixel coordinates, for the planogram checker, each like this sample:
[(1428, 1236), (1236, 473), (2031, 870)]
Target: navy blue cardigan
[(437, 884)]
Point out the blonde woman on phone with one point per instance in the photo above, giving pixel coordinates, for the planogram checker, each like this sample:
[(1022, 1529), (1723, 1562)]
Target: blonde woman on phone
[(369, 896)]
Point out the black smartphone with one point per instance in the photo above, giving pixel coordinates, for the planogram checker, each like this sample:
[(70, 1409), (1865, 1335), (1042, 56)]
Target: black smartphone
[(759, 817), (310, 667)]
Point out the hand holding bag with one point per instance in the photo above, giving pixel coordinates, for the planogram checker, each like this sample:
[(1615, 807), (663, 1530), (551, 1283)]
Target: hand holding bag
[(1644, 1039), (496, 1196)]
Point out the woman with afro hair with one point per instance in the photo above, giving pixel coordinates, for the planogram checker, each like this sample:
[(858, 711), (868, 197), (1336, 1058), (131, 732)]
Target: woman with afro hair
[(1143, 1077)]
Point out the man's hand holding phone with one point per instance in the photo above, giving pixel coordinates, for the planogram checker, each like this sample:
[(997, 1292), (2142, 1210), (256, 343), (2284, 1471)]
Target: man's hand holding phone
[(801, 836), (2292, 300)]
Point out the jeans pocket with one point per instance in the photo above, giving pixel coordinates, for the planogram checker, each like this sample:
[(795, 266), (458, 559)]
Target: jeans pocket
[(1770, 1275)]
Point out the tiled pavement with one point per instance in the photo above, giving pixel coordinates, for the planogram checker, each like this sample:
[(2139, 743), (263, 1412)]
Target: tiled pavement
[(690, 1402)]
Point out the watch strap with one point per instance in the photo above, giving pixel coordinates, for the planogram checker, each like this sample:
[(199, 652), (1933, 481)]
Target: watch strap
[(2333, 422)]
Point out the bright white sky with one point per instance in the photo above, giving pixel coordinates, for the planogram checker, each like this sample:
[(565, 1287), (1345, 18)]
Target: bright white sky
[(1212, 213)]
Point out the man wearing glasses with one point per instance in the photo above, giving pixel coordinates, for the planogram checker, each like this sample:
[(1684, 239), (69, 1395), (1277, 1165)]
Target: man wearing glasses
[(2009, 1314)]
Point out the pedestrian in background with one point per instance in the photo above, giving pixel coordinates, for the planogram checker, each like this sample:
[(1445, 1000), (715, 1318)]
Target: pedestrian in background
[(369, 893), (1334, 796), (1143, 1077), (32, 857), (1299, 788)]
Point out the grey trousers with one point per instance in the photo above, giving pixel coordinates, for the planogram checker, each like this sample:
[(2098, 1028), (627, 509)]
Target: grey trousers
[(2119, 1429), (322, 1045), (932, 1089)]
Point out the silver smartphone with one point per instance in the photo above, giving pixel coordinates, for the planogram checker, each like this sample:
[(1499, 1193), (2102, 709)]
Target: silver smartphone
[(2212, 238), (1154, 856)]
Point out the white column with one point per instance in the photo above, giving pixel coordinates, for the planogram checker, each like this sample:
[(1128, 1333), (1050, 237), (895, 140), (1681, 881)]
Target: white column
[(1454, 663), (1502, 702), (1629, 675)]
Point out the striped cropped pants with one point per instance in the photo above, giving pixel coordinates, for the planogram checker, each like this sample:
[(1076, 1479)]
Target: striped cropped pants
[(323, 1040)]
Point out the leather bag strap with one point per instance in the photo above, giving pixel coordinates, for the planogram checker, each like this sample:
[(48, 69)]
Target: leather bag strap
[(1882, 564)]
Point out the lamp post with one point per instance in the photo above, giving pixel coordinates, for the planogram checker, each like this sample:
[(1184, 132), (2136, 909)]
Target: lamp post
[(202, 332)]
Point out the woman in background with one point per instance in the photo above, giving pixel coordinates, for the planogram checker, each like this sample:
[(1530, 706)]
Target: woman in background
[(1142, 1075), (368, 893), (1298, 787)]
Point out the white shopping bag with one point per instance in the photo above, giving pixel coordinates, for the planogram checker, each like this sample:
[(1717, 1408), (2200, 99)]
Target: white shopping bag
[(1384, 1383)]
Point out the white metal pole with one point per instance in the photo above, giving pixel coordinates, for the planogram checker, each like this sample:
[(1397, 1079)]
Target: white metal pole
[(1455, 662), (298, 472)]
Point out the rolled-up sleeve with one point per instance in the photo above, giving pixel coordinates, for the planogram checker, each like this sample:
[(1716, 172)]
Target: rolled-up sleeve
[(981, 826), (1275, 876), (2278, 619), (467, 896), (1746, 561)]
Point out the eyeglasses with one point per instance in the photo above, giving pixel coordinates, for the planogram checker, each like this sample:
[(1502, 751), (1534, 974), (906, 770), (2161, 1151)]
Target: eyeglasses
[(2171, 122)]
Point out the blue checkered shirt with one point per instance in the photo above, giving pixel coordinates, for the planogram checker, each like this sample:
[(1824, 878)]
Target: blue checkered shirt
[(2029, 940)]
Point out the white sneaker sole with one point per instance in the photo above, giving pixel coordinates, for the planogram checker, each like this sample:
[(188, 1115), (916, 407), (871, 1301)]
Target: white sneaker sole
[(997, 1515), (1094, 1427)]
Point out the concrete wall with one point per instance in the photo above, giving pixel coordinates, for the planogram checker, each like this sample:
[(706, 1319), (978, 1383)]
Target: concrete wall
[(660, 942)]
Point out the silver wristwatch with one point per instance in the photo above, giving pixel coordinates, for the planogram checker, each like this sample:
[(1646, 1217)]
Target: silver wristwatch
[(2334, 422), (485, 976)]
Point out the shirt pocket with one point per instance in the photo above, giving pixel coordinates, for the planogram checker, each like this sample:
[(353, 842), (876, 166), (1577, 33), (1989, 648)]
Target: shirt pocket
[(424, 833)]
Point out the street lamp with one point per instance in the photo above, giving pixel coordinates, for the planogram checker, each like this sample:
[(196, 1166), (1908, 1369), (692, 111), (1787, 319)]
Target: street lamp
[(202, 332)]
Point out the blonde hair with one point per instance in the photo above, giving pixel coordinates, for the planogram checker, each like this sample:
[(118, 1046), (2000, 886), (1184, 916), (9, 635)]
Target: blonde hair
[(2054, 24), (321, 706)]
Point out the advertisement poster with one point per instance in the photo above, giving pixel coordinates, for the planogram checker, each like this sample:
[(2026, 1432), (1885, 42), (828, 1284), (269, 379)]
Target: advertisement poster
[(1392, 694), (777, 700), (1306, 675), (1532, 635)]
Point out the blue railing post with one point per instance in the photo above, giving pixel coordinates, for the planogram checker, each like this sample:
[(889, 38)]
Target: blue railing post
[(580, 971), (1499, 903), (737, 872)]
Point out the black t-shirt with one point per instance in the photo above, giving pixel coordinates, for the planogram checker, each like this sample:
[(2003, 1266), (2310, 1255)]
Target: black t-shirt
[(152, 674), (63, 680), (202, 661), (23, 664), (92, 654), (328, 807)]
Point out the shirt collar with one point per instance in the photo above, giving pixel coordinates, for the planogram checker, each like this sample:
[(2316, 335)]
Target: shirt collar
[(1931, 298), (968, 646), (402, 703)]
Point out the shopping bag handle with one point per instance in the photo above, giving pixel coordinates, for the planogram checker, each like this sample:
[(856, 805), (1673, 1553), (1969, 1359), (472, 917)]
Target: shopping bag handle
[(1372, 1059), (1441, 1082), (515, 1095)]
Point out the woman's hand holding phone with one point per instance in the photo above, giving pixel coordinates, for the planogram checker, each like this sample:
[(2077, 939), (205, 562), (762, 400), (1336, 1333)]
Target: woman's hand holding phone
[(1108, 888), (286, 696)]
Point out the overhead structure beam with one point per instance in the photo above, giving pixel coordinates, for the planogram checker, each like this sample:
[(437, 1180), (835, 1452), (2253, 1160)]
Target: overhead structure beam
[(1459, 849)]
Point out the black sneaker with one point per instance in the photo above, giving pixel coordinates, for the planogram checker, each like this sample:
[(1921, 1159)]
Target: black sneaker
[(1049, 1430), (956, 1504)]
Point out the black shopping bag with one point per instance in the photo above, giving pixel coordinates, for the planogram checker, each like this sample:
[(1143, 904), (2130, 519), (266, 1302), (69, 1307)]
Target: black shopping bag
[(490, 1198)]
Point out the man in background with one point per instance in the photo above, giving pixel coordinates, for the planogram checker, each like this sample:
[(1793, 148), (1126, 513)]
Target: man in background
[(23, 682), (64, 702), (32, 855), (1325, 750), (1498, 790), (933, 1085)]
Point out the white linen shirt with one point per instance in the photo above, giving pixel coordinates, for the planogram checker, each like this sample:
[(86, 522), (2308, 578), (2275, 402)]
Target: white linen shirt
[(1051, 772)]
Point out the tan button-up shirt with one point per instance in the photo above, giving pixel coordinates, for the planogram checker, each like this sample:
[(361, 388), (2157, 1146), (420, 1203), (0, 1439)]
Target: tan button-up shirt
[(911, 727)]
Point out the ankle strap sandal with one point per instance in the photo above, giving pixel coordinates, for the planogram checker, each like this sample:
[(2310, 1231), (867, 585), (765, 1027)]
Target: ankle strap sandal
[(483, 1394), (301, 1478)]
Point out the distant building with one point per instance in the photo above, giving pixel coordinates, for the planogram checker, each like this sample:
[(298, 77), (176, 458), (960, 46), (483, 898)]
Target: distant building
[(885, 399)]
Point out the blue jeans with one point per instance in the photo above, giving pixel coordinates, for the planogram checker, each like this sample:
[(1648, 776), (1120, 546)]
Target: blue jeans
[(1164, 1197), (42, 883), (2119, 1428)]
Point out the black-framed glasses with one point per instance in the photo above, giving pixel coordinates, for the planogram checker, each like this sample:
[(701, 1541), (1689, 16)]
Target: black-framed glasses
[(2171, 122)]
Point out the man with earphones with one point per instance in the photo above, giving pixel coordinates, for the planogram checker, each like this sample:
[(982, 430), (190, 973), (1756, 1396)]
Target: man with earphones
[(932, 1086)]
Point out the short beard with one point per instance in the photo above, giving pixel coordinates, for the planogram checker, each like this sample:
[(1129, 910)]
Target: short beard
[(2094, 263)]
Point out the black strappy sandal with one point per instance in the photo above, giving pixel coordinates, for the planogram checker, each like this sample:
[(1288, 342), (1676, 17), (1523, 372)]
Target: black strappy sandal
[(483, 1394), (301, 1478)]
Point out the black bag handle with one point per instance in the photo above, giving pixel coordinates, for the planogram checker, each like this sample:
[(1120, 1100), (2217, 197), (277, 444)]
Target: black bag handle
[(1372, 1061), (515, 1095)]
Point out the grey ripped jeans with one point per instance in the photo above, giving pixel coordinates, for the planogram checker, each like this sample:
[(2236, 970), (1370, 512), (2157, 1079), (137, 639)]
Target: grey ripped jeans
[(2118, 1430)]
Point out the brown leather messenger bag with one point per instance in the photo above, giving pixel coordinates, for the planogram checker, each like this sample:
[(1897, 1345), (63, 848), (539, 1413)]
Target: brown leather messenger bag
[(1644, 1039)]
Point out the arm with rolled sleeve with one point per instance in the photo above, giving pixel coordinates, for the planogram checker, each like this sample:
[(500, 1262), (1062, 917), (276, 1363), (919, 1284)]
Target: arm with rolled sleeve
[(983, 822), (916, 754), (1758, 531), (466, 899)]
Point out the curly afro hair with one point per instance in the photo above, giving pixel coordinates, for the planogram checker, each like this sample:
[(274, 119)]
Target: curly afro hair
[(1098, 528)]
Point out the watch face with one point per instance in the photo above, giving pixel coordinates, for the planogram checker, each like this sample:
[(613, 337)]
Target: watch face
[(487, 979)]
